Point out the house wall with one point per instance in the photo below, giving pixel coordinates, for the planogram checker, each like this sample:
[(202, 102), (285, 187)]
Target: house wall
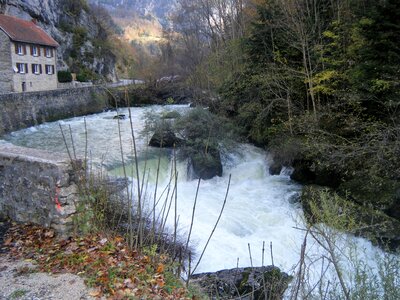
[(33, 82), (6, 71)]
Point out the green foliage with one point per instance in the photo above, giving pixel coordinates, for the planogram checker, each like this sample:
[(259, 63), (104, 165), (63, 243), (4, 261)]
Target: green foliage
[(203, 131), (79, 37), (17, 294), (64, 76), (75, 7), (85, 75)]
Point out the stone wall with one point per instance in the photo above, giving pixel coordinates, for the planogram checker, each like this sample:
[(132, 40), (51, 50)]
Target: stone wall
[(22, 110), (6, 71), (32, 182)]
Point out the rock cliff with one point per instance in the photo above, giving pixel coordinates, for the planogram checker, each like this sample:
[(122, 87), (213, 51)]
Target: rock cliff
[(159, 9), (75, 26)]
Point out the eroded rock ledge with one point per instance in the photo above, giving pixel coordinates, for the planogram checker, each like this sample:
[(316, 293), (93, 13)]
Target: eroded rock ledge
[(244, 283)]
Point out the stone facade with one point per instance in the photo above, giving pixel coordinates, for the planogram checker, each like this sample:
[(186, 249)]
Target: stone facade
[(28, 56), (22, 110), (33, 183), (30, 81), (6, 71)]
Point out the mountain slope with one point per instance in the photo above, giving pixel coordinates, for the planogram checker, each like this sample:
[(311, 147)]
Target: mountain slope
[(143, 22)]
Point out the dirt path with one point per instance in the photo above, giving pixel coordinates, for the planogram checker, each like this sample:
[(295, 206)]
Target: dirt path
[(19, 280)]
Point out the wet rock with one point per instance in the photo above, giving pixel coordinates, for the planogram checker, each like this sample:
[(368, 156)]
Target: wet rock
[(206, 165), (244, 283), (302, 172), (119, 117), (305, 172), (165, 139), (275, 168)]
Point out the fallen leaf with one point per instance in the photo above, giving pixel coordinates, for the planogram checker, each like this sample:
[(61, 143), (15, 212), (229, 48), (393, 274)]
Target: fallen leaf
[(95, 293), (160, 268), (49, 233), (8, 241)]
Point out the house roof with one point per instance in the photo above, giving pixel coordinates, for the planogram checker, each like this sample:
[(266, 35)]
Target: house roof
[(25, 31)]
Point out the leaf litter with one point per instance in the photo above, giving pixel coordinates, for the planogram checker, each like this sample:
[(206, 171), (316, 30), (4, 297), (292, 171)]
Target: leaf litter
[(109, 267)]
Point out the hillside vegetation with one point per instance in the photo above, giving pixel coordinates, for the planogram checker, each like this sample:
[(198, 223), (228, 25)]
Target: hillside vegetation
[(316, 82)]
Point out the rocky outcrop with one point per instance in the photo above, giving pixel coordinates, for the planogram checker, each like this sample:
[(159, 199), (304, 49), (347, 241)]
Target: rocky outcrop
[(159, 9), (306, 172), (206, 165), (165, 139), (75, 27), (244, 283)]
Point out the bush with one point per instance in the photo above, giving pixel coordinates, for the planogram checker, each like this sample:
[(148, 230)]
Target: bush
[(64, 76), (84, 75)]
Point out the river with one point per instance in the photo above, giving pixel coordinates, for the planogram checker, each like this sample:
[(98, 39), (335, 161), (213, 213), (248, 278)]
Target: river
[(260, 207)]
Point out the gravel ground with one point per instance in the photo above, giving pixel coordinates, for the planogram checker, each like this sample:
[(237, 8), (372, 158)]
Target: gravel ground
[(18, 280)]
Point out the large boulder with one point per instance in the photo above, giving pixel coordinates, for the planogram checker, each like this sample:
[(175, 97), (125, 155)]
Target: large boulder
[(307, 172), (206, 165), (244, 283), (275, 168), (164, 138), (322, 205)]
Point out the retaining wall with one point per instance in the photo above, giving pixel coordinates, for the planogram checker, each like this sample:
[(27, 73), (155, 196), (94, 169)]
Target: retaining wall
[(33, 183), (21, 110)]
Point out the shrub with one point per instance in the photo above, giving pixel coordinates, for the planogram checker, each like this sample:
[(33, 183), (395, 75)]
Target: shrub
[(64, 76), (84, 75)]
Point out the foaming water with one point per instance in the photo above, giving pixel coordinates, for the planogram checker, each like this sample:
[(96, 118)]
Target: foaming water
[(258, 207)]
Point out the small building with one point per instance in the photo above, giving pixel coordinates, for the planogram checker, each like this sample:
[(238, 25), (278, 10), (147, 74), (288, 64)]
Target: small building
[(27, 56)]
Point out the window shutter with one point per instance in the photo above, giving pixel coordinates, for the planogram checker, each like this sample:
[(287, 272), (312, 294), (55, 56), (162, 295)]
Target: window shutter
[(26, 69), (38, 50), (24, 49), (31, 49), (52, 70), (52, 53), (40, 68), (33, 69), (16, 48)]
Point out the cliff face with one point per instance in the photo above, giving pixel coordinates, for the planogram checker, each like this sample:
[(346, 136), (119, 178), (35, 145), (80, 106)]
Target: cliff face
[(143, 22), (159, 9), (73, 24)]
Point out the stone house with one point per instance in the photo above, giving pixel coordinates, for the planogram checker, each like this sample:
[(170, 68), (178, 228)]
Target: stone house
[(27, 56)]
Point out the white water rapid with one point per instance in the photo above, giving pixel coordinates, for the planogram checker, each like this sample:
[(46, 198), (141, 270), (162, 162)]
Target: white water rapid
[(259, 207)]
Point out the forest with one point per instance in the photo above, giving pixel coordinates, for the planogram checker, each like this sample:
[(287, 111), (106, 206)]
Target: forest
[(316, 82)]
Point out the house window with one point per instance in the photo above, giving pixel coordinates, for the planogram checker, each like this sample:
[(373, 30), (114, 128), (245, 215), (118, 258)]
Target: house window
[(49, 52), (36, 69), (49, 69), (20, 49), (22, 68), (34, 51)]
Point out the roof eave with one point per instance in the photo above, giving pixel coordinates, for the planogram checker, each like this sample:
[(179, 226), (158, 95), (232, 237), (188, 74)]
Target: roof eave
[(55, 45)]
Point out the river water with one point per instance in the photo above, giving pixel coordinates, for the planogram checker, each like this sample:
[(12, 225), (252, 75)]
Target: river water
[(260, 207)]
